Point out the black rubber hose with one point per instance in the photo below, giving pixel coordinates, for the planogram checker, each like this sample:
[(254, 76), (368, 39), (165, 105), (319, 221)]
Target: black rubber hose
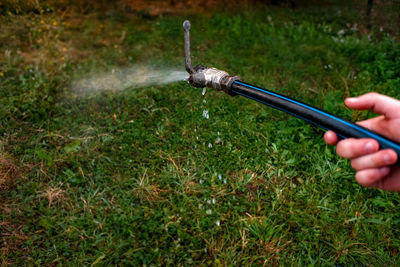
[(318, 117)]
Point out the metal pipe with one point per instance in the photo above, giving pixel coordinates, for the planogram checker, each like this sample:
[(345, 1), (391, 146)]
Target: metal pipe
[(188, 62)]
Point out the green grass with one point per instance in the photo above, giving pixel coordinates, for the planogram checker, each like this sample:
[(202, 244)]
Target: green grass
[(124, 178)]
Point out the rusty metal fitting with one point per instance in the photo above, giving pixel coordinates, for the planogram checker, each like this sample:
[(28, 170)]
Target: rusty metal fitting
[(213, 78)]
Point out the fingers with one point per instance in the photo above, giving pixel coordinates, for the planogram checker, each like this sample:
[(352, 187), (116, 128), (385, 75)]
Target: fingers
[(390, 182), (352, 148), (379, 159), (330, 138), (380, 104), (371, 177), (378, 124), (387, 127)]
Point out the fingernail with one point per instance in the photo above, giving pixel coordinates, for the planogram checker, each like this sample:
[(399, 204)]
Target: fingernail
[(352, 99), (384, 170), (387, 158), (369, 147)]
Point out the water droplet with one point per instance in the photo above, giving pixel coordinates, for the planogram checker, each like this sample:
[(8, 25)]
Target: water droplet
[(224, 181), (197, 138), (208, 201), (209, 145), (195, 146), (195, 130), (179, 239), (204, 101), (219, 177), (214, 200), (204, 91), (200, 206), (218, 223), (201, 181), (209, 212), (205, 114), (205, 250), (218, 140)]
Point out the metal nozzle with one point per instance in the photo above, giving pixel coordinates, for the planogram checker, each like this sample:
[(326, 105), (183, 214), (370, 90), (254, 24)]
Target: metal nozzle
[(201, 76)]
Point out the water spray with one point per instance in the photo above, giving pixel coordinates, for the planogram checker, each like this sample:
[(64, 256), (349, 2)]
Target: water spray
[(201, 76)]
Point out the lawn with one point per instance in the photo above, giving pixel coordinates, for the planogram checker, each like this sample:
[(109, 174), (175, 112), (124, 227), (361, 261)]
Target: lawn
[(138, 176)]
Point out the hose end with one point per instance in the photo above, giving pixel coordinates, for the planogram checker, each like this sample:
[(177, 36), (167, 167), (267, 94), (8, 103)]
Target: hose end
[(186, 25)]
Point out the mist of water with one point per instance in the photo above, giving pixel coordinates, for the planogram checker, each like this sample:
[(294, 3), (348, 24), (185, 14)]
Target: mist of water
[(132, 77)]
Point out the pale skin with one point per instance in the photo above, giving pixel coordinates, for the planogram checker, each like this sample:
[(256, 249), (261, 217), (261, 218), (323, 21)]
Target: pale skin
[(374, 167)]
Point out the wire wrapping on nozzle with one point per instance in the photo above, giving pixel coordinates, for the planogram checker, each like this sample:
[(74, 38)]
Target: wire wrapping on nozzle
[(201, 76)]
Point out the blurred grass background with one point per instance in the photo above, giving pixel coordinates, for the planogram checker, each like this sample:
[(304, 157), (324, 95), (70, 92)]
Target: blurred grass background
[(129, 177)]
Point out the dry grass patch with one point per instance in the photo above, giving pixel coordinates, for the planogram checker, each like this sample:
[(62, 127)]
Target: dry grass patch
[(11, 239), (9, 171), (54, 195), (145, 190)]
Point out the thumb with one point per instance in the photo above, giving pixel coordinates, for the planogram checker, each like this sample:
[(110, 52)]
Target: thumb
[(380, 104)]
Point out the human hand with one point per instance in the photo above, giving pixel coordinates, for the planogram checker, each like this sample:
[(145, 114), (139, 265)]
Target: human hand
[(374, 167)]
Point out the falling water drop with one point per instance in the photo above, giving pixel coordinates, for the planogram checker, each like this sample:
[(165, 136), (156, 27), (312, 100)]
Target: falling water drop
[(218, 223), (209, 212), (204, 91), (213, 200), (219, 177), (209, 145), (205, 114)]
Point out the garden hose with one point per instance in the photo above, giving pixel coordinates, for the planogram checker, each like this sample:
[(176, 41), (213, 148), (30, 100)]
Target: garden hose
[(201, 76)]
